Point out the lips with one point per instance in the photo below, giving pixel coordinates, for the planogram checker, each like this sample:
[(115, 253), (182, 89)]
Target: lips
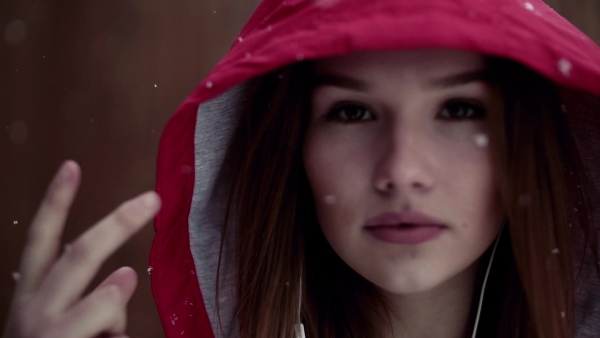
[(409, 227), (406, 217)]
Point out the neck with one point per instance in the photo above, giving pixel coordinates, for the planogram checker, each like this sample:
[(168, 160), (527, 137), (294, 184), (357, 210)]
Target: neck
[(444, 311)]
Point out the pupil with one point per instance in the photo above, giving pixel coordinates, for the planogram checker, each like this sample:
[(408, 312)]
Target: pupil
[(353, 113), (459, 110)]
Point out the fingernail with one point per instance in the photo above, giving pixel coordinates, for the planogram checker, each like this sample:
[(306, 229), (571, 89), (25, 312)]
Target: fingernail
[(149, 200), (64, 173)]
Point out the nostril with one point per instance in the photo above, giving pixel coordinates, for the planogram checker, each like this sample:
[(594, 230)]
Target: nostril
[(385, 186), (418, 185)]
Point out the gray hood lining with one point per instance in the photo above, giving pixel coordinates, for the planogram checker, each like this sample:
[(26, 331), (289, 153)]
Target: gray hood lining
[(214, 127)]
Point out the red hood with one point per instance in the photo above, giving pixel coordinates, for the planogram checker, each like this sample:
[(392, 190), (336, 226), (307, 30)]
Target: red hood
[(283, 32)]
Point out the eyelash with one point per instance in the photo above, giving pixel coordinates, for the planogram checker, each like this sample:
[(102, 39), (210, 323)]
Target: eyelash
[(478, 111), (334, 114)]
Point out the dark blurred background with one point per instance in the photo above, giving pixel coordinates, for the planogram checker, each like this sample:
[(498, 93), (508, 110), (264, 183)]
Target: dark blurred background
[(95, 81)]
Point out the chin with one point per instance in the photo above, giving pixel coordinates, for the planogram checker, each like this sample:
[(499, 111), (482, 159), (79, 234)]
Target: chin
[(407, 286)]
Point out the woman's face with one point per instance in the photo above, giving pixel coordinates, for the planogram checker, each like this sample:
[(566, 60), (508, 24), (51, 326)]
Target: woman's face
[(400, 162)]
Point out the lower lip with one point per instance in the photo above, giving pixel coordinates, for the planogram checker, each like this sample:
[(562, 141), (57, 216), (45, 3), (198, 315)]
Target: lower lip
[(406, 235)]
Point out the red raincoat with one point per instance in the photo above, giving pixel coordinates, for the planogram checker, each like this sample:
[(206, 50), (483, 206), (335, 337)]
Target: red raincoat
[(285, 31)]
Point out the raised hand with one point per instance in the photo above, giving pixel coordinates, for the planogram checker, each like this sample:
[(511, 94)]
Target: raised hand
[(49, 300)]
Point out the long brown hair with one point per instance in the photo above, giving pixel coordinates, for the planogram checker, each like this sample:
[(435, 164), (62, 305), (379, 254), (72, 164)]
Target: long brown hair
[(531, 290), (278, 242)]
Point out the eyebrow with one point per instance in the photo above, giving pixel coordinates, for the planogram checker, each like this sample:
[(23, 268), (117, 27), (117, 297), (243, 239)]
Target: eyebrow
[(478, 75), (337, 80)]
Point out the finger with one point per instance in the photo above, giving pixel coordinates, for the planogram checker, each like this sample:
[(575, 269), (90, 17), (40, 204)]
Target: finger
[(125, 278), (102, 312), (46, 229), (75, 269)]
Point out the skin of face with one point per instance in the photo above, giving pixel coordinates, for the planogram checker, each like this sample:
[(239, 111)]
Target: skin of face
[(400, 131)]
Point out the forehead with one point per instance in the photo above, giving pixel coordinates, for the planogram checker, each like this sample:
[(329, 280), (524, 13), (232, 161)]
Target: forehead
[(422, 63)]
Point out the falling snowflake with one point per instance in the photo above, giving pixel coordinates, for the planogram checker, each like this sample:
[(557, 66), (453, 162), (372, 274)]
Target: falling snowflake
[(555, 251), (15, 222), (529, 6), (209, 84), (481, 140), (150, 269), (15, 32), (565, 66), (16, 276), (240, 39), (563, 108), (174, 318)]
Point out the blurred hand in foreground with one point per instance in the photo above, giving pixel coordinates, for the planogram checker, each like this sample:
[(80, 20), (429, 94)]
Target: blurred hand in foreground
[(49, 300)]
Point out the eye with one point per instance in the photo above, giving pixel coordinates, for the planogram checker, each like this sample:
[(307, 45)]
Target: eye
[(349, 113), (461, 110)]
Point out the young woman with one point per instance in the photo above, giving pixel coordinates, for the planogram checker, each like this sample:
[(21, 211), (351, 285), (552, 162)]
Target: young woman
[(361, 169)]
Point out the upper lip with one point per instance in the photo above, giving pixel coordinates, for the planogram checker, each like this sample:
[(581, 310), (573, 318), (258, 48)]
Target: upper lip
[(405, 217)]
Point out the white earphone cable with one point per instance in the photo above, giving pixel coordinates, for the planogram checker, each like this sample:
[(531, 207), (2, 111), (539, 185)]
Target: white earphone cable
[(299, 328), (487, 272)]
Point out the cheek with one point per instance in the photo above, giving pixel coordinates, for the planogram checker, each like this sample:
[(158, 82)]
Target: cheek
[(338, 176), (320, 168), (334, 166), (472, 188)]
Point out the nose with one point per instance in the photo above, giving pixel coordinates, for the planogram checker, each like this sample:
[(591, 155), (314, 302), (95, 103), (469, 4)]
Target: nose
[(403, 163)]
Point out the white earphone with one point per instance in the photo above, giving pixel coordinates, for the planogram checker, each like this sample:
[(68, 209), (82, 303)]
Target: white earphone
[(299, 328), (487, 272)]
